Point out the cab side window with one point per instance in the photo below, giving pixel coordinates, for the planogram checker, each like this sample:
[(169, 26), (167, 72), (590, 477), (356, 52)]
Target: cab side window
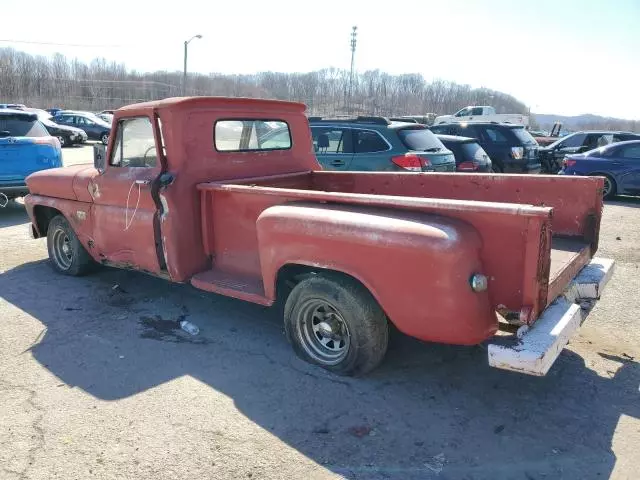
[(135, 144)]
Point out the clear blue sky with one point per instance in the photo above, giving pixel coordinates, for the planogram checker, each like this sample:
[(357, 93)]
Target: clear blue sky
[(562, 56)]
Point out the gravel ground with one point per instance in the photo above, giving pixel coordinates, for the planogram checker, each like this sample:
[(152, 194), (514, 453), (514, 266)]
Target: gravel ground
[(97, 383)]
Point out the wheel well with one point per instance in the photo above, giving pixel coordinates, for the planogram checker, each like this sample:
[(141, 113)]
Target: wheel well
[(291, 274), (43, 216)]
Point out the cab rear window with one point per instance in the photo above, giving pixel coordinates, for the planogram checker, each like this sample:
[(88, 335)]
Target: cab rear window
[(20, 126), (251, 135)]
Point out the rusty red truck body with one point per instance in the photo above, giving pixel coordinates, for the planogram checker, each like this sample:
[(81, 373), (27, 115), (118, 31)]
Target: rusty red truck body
[(226, 194)]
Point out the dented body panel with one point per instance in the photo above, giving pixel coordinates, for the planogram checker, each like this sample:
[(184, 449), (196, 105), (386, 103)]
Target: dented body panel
[(232, 222)]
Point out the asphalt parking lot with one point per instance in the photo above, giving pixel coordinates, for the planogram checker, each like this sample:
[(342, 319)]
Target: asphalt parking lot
[(96, 383)]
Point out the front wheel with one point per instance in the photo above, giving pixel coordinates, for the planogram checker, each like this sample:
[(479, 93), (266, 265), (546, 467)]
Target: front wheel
[(104, 138), (63, 141), (66, 253), (334, 322)]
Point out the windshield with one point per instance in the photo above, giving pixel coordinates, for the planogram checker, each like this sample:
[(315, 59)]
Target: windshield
[(524, 136), (420, 139), (20, 126)]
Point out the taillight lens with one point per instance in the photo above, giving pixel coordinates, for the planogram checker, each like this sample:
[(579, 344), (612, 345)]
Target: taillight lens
[(567, 162), (468, 166), (411, 162), (517, 153)]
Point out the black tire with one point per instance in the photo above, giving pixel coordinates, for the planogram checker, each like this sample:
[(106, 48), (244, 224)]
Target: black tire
[(104, 138), (352, 312), (610, 190), (66, 253), (63, 141)]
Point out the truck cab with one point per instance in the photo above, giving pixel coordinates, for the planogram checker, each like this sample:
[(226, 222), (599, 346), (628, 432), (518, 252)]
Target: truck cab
[(226, 194)]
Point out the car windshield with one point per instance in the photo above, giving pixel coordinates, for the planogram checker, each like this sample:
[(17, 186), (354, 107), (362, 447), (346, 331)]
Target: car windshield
[(420, 139), (21, 126), (524, 136)]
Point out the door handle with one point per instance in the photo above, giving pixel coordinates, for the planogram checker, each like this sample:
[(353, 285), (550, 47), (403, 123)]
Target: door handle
[(617, 164), (337, 163)]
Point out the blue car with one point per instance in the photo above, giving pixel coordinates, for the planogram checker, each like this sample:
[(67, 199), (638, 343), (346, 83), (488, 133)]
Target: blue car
[(618, 163), (25, 147)]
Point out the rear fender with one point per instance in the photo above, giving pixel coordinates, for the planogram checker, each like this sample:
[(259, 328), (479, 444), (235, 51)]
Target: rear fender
[(79, 215), (416, 265)]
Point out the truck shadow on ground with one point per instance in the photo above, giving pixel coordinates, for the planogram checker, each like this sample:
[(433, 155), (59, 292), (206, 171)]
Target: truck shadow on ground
[(12, 214), (428, 410)]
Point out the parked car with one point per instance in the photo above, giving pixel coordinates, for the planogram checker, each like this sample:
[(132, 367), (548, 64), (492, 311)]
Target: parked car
[(66, 135), (551, 156), (470, 156), (377, 144), (511, 148), (25, 147), (107, 117), (345, 253), (53, 111), (95, 127), (618, 163), (13, 106), (482, 114)]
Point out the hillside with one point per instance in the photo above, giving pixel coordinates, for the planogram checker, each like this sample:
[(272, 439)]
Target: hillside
[(587, 121)]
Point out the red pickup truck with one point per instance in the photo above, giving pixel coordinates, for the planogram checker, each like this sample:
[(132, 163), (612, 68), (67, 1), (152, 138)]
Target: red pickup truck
[(226, 194)]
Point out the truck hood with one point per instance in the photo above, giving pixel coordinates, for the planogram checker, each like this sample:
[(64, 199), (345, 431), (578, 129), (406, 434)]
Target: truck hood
[(66, 182)]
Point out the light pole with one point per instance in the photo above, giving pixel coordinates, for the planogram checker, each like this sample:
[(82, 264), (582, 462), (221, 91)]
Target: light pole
[(354, 34), (184, 74)]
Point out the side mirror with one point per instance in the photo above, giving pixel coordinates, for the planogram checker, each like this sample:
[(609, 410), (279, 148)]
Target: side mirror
[(99, 157)]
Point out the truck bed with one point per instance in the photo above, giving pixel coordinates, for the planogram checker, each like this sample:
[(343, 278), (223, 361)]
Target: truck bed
[(537, 231)]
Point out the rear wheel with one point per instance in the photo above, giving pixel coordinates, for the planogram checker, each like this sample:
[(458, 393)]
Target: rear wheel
[(610, 187), (334, 322), (66, 253)]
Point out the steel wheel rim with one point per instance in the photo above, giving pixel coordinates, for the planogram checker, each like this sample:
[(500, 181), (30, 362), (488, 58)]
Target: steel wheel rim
[(607, 186), (323, 332), (62, 250)]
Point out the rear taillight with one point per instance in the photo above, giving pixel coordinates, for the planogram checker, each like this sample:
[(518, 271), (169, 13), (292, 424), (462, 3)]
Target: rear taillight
[(567, 162), (517, 153), (468, 167), (411, 162)]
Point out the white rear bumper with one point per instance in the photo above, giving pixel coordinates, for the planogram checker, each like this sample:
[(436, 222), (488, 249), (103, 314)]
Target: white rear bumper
[(536, 348)]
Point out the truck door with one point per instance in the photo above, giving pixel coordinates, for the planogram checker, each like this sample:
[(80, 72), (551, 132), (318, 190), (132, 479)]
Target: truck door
[(124, 211)]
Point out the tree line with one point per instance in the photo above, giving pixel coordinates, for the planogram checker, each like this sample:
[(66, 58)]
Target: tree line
[(69, 83)]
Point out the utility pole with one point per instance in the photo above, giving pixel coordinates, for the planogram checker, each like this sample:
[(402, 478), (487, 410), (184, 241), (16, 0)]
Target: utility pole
[(184, 73), (354, 34)]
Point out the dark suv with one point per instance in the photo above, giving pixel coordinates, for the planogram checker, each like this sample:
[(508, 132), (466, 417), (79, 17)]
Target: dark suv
[(378, 144), (552, 155), (511, 148)]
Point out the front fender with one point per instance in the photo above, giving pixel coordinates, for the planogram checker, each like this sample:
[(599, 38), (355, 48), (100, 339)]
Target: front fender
[(416, 265)]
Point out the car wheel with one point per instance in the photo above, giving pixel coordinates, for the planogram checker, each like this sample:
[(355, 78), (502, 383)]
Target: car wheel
[(104, 138), (66, 253), (334, 322), (610, 187), (63, 141)]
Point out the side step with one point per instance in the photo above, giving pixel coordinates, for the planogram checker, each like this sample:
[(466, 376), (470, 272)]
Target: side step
[(536, 348), (231, 285)]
